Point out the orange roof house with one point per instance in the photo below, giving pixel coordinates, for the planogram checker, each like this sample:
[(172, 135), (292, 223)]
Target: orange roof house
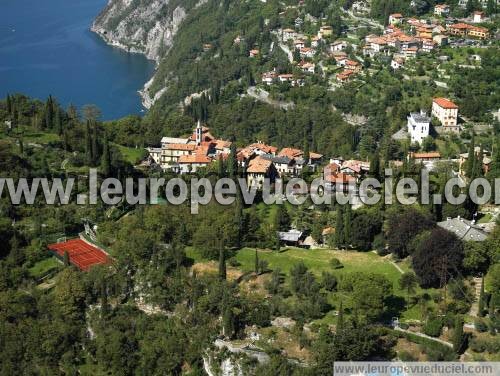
[(445, 103)]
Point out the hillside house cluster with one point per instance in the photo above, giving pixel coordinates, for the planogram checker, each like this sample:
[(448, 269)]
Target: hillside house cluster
[(258, 160), (341, 175), (464, 30), (183, 155), (351, 68), (272, 77)]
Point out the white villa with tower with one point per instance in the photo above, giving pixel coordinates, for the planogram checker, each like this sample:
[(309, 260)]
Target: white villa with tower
[(418, 126)]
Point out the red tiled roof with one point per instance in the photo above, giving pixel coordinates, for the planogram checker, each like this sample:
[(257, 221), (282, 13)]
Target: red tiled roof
[(445, 103), (259, 165), (186, 147), (268, 149), (291, 153), (340, 178), (197, 158), (433, 154), (221, 144)]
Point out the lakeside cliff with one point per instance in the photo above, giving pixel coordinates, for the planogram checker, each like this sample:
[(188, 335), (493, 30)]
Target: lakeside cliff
[(142, 26)]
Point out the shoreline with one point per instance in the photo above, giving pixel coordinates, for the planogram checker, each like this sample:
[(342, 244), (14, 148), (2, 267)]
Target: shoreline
[(146, 100)]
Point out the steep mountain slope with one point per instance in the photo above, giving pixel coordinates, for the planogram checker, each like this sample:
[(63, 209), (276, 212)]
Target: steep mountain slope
[(143, 26)]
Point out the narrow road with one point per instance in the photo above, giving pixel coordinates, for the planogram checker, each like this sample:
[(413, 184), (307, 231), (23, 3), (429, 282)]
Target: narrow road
[(424, 336)]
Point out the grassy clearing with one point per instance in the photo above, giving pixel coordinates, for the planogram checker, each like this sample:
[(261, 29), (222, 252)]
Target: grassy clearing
[(131, 155), (318, 261), (43, 267)]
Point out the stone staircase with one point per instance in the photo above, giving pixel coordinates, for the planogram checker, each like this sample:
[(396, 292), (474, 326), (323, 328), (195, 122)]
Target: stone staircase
[(474, 309)]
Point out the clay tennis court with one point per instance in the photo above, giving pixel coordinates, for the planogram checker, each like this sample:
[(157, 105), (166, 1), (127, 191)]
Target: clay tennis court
[(81, 254)]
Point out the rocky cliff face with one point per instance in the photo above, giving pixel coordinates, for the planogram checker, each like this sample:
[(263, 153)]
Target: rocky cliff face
[(141, 26)]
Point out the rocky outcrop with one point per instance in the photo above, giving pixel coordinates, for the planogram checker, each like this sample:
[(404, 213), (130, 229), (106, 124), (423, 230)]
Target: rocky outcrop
[(146, 26)]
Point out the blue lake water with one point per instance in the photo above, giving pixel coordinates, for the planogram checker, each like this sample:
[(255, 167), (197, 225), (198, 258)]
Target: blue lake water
[(46, 47)]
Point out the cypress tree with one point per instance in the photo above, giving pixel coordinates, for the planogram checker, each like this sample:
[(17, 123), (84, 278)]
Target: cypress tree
[(458, 334), (222, 264), (232, 163), (9, 104), (256, 266), (95, 147), (306, 149), (66, 258), (228, 323), (375, 165), (49, 112), (491, 305), (339, 228), (221, 167), (21, 146), (106, 158), (278, 243), (470, 158), (340, 318), (58, 122), (347, 224), (88, 145), (481, 302)]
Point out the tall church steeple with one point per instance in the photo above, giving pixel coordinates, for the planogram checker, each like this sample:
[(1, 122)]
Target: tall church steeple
[(199, 132)]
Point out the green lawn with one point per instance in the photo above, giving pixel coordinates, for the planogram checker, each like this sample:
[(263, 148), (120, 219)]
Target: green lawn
[(131, 155), (318, 260), (43, 267)]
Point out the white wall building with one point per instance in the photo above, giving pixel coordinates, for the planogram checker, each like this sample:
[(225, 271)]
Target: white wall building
[(418, 126)]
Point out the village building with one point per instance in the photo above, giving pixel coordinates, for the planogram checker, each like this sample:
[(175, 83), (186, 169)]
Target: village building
[(440, 39), (442, 10), (428, 45), (447, 113), (339, 182), (395, 18), (155, 154), (411, 53), (289, 34), (284, 165), (307, 52), (258, 170), (299, 43), (418, 126), (339, 45), (201, 148), (465, 230), (325, 31), (478, 16), (269, 77), (315, 41), (355, 168), (397, 63), (253, 53), (425, 157), (191, 163), (465, 30), (378, 45), (291, 237), (353, 66), (307, 67), (286, 77), (462, 162), (344, 76)]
